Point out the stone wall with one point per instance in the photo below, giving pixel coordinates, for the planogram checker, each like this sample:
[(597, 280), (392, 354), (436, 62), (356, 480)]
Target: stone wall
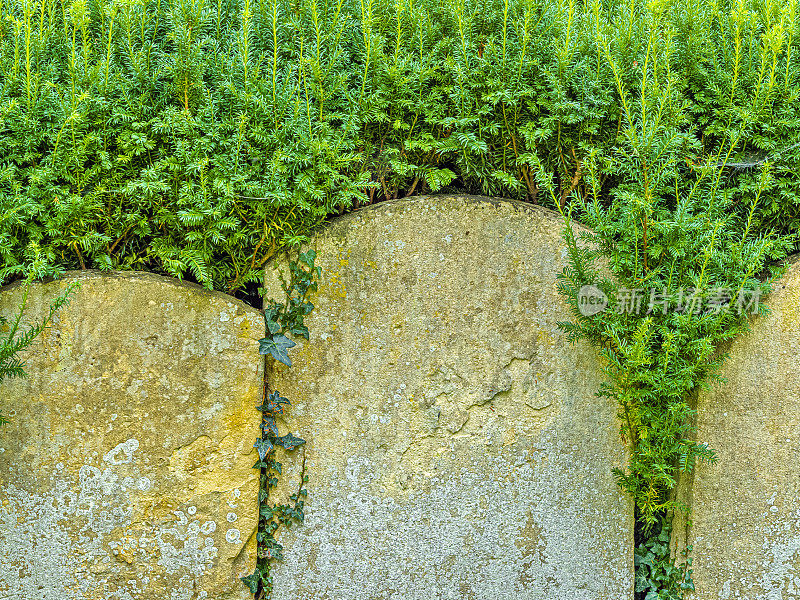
[(125, 472), (455, 445), (455, 448), (746, 508)]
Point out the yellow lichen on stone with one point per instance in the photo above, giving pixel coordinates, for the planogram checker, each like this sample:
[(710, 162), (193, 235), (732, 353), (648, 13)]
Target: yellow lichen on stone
[(127, 468)]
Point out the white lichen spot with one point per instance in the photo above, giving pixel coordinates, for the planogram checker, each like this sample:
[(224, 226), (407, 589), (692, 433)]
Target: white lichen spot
[(144, 484), (89, 477), (191, 510), (233, 535), (208, 527), (210, 412), (127, 448), (232, 517)]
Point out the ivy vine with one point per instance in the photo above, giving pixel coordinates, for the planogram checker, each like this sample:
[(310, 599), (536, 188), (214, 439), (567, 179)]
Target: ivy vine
[(280, 319), (658, 576)]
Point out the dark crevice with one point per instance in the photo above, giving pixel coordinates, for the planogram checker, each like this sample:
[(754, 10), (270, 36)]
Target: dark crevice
[(249, 294)]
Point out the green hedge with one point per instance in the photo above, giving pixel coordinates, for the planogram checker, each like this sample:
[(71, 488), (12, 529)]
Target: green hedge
[(196, 137)]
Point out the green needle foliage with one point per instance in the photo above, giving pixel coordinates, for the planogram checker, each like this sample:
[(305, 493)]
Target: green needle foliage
[(198, 137), (682, 278), (684, 267)]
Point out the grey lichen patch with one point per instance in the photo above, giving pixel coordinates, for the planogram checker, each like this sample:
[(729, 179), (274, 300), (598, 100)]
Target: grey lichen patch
[(130, 444), (745, 520), (455, 445), (469, 530)]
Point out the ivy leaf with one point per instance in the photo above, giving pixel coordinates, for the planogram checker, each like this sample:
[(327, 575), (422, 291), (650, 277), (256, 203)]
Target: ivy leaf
[(271, 312), (278, 346), (278, 399), (273, 404), (289, 441), (263, 446), (642, 582), (271, 319), (273, 327), (251, 581), (269, 426), (308, 258), (300, 330), (275, 552)]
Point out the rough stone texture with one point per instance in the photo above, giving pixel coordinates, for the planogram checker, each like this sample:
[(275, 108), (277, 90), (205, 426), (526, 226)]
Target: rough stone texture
[(126, 471), (456, 448), (746, 507)]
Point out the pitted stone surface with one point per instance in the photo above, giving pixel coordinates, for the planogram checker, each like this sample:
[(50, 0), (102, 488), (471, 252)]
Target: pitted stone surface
[(745, 515), (456, 448), (130, 443)]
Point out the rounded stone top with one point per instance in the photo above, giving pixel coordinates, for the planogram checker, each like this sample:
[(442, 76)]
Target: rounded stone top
[(441, 405)]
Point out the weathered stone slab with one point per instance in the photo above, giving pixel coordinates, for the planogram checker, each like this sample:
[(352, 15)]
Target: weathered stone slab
[(126, 471), (746, 507), (455, 448)]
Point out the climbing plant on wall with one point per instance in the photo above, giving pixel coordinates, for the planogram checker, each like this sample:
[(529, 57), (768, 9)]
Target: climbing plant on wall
[(281, 318)]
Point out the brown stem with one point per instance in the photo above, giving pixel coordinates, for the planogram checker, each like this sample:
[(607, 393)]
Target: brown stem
[(576, 178), (533, 189), (120, 238), (413, 186), (80, 256), (383, 185), (631, 431)]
